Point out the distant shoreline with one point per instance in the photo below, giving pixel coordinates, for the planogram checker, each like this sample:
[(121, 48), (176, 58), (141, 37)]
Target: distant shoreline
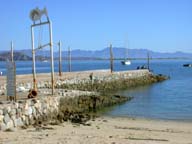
[(100, 59)]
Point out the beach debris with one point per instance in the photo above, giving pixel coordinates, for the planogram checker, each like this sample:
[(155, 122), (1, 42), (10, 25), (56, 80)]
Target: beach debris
[(32, 93), (147, 139)]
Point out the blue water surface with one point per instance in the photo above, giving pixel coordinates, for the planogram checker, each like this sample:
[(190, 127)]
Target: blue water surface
[(170, 99)]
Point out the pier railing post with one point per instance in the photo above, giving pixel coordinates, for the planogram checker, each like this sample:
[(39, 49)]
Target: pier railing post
[(60, 59), (52, 61), (111, 58), (69, 59)]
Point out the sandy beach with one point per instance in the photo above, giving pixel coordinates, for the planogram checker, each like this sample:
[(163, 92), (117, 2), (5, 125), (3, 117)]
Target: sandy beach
[(104, 130)]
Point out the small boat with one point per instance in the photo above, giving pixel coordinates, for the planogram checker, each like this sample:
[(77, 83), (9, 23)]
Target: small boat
[(126, 62), (187, 65), (45, 61)]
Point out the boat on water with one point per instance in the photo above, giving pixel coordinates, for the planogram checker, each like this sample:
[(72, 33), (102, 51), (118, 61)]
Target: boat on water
[(126, 62), (187, 65), (45, 61)]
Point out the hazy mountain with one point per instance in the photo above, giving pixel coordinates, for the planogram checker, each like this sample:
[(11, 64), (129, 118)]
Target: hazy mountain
[(118, 52), (4, 56)]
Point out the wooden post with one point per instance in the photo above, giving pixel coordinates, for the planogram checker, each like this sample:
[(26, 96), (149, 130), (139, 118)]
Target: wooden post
[(15, 81), (69, 59), (33, 57), (60, 59), (148, 61), (52, 59), (111, 58)]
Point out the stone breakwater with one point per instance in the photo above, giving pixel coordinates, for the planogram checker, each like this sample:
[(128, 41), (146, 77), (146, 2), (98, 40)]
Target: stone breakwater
[(24, 113), (75, 96), (35, 111), (81, 80), (53, 109), (82, 108), (105, 77), (111, 82)]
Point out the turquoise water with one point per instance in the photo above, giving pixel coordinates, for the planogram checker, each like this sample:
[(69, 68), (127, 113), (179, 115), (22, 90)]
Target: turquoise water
[(170, 100)]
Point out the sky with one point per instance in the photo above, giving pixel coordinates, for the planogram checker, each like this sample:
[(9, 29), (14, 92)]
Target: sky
[(157, 25)]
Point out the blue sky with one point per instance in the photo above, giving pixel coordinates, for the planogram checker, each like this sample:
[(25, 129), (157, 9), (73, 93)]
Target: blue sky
[(158, 25)]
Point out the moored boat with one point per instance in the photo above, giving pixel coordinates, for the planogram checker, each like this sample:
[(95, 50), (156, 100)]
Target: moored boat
[(187, 65), (126, 62)]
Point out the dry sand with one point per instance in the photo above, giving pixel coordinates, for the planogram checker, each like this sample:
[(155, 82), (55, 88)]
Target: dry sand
[(104, 130), (47, 76)]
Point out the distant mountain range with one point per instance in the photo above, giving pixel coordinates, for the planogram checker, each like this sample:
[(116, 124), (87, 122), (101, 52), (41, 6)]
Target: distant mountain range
[(118, 53), (4, 56)]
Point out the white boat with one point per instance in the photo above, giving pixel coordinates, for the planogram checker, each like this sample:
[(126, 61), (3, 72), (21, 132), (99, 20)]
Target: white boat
[(126, 62), (187, 65), (44, 61)]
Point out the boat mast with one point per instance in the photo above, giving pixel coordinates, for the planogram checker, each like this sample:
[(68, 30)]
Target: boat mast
[(148, 60), (111, 58), (126, 48), (69, 59)]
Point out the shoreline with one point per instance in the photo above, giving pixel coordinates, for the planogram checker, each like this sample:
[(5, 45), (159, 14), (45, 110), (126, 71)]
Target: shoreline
[(149, 118)]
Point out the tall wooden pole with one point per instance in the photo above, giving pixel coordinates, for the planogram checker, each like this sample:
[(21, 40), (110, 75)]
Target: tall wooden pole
[(52, 60), (60, 59), (33, 58), (111, 58), (69, 59)]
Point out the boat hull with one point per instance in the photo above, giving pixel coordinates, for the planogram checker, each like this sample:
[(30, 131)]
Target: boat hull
[(187, 65), (127, 62)]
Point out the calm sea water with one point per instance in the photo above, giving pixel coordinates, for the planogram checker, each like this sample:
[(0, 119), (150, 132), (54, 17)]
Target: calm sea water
[(170, 100)]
